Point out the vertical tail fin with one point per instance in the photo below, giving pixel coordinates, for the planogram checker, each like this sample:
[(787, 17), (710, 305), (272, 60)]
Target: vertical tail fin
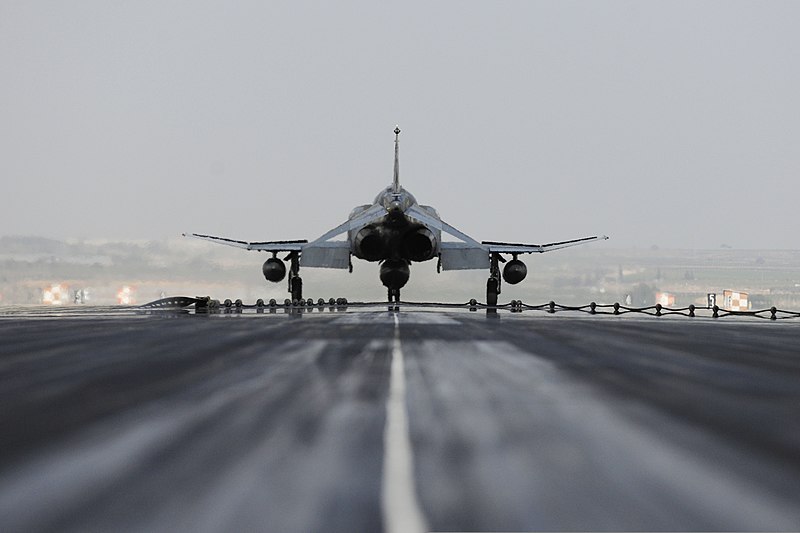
[(396, 183)]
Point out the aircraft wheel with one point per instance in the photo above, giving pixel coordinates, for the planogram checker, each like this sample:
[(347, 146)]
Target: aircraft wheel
[(297, 288), (491, 291)]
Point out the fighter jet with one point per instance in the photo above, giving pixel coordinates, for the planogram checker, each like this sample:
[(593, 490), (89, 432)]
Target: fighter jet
[(396, 231)]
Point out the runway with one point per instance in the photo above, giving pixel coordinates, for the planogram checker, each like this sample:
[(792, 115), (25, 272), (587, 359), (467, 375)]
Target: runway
[(373, 420)]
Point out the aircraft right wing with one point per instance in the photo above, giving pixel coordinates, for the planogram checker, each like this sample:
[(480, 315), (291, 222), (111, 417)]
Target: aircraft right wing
[(264, 246), (322, 252)]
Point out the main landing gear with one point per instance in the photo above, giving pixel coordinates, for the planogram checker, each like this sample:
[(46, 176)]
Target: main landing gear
[(295, 281), (394, 295), (493, 283), (492, 290)]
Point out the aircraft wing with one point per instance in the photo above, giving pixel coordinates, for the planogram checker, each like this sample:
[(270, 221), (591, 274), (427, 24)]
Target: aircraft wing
[(373, 213), (265, 246), (320, 253), (514, 248)]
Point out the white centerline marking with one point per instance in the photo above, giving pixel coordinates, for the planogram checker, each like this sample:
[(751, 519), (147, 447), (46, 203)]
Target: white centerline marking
[(399, 504)]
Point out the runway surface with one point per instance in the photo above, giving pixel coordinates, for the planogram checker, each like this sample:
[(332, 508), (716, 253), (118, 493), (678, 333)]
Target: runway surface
[(375, 420)]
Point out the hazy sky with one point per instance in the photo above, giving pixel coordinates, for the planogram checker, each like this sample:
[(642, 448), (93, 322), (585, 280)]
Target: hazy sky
[(668, 123)]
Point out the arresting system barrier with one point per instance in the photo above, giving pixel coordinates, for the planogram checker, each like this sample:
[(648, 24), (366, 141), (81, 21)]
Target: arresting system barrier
[(207, 304)]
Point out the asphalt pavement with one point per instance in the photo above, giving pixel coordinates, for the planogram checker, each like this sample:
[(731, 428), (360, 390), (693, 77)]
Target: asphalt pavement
[(371, 420)]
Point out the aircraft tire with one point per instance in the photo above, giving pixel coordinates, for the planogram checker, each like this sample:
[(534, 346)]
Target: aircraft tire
[(297, 288), (491, 291)]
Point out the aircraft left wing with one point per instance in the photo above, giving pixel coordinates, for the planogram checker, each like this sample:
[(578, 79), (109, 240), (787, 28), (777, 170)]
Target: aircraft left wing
[(470, 255), (265, 246), (514, 248)]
